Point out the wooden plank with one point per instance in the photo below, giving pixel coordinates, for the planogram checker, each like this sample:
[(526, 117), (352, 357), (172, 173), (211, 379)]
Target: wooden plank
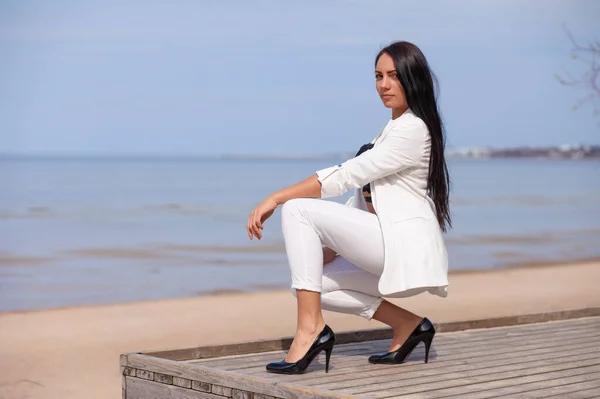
[(164, 379), (201, 386), (183, 382), (143, 389), (470, 385), (525, 329), (406, 374), (561, 387), (451, 371), (480, 336), (344, 358), (237, 394), (345, 352), (444, 354), (221, 390), (123, 386), (438, 352), (262, 346), (407, 370), (146, 375), (445, 376), (591, 394), (366, 335), (349, 375), (226, 379), (125, 372), (520, 319), (247, 362)]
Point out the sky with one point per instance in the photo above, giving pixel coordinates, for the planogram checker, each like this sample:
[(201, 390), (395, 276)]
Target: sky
[(212, 77)]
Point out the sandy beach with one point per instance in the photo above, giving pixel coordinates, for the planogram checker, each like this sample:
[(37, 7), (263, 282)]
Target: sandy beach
[(74, 352)]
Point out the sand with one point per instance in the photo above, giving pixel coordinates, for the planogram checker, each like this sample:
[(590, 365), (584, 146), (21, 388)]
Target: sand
[(74, 352)]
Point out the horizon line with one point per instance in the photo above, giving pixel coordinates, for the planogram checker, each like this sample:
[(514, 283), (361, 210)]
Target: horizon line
[(340, 154)]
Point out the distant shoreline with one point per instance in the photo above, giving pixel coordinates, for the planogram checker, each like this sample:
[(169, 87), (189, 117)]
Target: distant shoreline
[(555, 153), (561, 152)]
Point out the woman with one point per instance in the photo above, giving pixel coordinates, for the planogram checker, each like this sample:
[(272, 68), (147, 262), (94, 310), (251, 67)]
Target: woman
[(346, 258)]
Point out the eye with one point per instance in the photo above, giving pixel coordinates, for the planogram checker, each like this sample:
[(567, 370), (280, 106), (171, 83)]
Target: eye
[(378, 76)]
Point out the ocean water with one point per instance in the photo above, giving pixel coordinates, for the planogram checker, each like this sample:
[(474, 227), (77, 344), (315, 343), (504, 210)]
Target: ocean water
[(96, 231)]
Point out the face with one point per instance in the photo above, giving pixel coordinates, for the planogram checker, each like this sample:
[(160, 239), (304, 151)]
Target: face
[(388, 85)]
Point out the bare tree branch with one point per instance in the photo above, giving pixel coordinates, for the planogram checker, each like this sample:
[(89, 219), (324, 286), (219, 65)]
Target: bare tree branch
[(590, 81)]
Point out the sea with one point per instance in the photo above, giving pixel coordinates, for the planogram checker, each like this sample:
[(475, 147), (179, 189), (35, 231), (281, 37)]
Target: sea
[(88, 231)]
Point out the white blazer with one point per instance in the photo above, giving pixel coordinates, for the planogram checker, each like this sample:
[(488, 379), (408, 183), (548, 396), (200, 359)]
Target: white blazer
[(415, 256)]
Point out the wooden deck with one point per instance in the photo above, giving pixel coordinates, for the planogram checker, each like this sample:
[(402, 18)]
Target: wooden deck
[(540, 360)]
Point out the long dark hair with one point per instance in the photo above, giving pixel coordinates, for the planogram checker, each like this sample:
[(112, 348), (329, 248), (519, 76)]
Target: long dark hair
[(417, 80)]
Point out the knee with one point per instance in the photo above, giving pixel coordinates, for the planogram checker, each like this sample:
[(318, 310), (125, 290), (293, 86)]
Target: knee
[(293, 207)]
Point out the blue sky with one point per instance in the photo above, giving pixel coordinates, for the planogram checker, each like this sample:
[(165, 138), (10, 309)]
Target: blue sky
[(277, 77)]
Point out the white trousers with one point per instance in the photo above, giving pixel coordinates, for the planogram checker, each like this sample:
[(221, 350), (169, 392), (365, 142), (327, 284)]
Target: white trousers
[(348, 284)]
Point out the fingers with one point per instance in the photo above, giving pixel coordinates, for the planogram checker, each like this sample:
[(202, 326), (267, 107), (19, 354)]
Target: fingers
[(257, 226), (257, 218), (254, 225), (248, 225)]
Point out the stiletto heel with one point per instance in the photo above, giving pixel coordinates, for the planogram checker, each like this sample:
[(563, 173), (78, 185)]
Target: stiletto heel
[(327, 357), (424, 332), (324, 341), (427, 343)]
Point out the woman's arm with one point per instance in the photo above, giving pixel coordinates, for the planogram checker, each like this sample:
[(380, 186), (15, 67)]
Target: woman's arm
[(402, 148), (307, 188)]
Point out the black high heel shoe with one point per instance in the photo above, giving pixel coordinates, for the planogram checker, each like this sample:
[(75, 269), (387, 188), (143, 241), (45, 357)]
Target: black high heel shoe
[(424, 332), (324, 341)]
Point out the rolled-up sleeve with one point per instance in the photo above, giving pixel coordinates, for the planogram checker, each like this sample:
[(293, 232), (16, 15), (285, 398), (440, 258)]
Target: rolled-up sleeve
[(401, 149)]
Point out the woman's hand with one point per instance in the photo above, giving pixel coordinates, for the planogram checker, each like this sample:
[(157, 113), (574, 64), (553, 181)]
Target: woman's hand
[(307, 188), (262, 212)]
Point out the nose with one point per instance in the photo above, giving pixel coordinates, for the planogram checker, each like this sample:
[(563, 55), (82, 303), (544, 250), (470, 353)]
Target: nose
[(385, 83)]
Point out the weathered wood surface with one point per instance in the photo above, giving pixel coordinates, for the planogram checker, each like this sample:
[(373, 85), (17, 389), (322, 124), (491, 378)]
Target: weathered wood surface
[(554, 359), (367, 335), (140, 389)]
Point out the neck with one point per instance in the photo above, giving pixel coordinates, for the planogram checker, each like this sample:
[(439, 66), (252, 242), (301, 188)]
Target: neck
[(397, 112)]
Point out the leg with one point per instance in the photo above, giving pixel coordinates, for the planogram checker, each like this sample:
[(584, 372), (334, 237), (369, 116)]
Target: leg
[(308, 224), (349, 289), (309, 324), (401, 320), (352, 233)]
